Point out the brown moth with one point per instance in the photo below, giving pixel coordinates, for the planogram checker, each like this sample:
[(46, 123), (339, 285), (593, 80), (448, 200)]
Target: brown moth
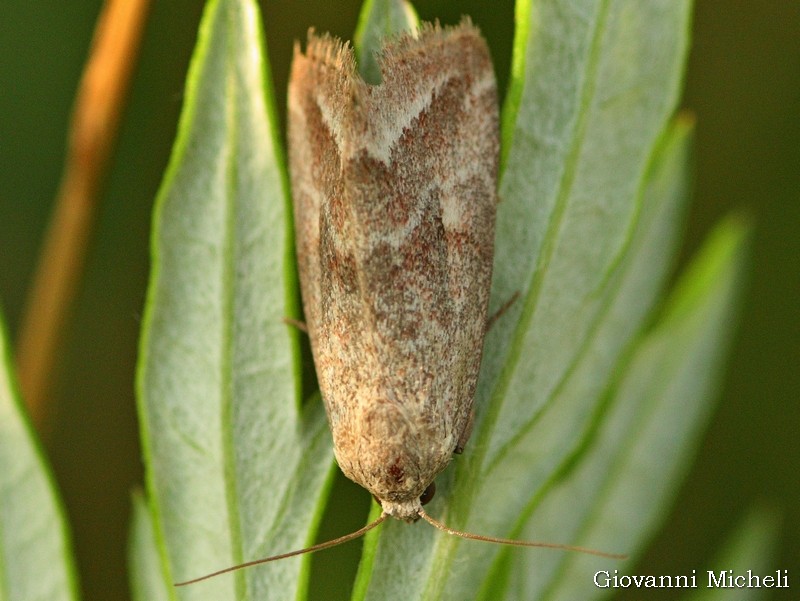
[(394, 191)]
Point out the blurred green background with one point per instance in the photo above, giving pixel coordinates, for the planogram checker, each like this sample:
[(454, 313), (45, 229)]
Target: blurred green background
[(743, 84)]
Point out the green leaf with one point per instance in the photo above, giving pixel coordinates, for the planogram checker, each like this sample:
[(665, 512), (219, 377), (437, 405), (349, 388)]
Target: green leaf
[(36, 561), (380, 19), (237, 466), (752, 546), (601, 81), (147, 579)]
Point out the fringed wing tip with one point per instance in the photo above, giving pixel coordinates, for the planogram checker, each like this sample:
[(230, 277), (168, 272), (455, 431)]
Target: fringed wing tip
[(329, 51), (429, 37)]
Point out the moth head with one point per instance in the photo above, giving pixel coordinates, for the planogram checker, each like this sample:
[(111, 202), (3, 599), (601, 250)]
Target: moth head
[(408, 511)]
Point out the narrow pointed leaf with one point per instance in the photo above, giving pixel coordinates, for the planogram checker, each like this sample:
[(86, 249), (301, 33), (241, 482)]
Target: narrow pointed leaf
[(236, 463), (35, 557), (379, 20), (602, 80)]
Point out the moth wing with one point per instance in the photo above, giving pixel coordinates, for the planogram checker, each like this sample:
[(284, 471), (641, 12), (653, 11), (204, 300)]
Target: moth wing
[(395, 195)]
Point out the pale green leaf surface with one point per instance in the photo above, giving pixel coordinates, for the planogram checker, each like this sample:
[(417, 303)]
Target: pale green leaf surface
[(753, 547), (379, 20), (236, 466), (35, 557), (146, 570), (590, 100), (601, 81), (619, 488)]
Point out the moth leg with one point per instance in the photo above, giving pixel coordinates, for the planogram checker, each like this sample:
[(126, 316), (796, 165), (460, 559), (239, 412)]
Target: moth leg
[(493, 318), (465, 433), (300, 325)]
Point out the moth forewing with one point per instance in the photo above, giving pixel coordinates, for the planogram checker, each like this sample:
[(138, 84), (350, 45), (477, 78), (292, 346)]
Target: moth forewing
[(394, 191)]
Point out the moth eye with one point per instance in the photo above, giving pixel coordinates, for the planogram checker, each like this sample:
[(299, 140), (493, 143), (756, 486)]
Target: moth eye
[(427, 494)]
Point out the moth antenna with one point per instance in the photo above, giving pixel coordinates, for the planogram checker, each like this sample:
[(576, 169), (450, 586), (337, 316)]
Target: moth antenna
[(317, 547), (503, 308), (517, 543)]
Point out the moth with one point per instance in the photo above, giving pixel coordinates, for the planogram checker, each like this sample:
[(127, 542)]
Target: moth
[(394, 190)]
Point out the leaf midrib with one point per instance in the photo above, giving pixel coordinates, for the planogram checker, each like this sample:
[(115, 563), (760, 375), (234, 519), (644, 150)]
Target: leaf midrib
[(230, 475)]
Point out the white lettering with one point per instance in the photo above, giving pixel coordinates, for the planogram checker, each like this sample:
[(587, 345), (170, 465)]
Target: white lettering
[(604, 581), (713, 582), (721, 579)]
